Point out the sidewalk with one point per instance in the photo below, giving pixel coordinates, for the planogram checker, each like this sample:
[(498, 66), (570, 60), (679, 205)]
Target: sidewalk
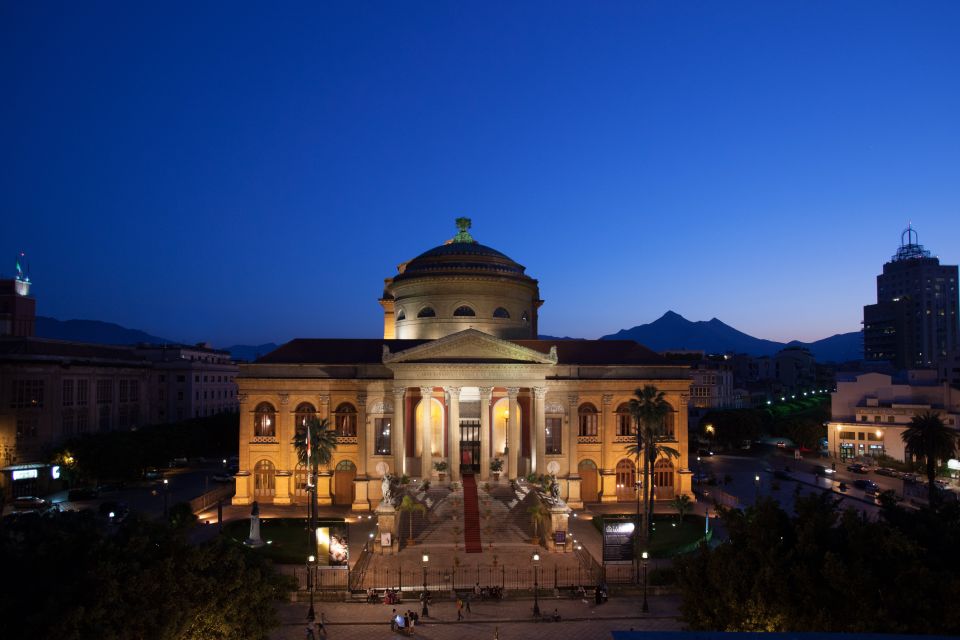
[(509, 619)]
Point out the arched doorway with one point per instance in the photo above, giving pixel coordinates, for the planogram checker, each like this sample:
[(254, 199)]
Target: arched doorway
[(663, 479), (626, 480), (589, 481), (264, 481), (343, 477), (301, 478)]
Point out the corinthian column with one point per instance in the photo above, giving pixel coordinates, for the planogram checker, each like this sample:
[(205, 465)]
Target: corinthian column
[(540, 429), (396, 435), (426, 432), (513, 433), (485, 393), (573, 428), (453, 415)]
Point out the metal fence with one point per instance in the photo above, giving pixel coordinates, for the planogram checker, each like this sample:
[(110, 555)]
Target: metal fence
[(465, 577), (324, 578)]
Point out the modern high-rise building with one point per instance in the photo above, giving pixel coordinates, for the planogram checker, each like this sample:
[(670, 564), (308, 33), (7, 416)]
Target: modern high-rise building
[(915, 320)]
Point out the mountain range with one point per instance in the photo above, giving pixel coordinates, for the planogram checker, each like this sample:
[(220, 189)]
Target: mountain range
[(670, 331), (673, 331), (109, 333)]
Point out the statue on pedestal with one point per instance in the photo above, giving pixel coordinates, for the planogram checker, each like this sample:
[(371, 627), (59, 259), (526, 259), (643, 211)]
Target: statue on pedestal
[(254, 539)]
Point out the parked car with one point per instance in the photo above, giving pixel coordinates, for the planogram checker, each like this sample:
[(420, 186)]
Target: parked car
[(868, 486), (152, 473), (223, 477), (30, 504), (83, 493), (177, 462), (781, 444), (887, 471), (704, 453), (858, 468), (822, 471), (746, 444), (911, 477)]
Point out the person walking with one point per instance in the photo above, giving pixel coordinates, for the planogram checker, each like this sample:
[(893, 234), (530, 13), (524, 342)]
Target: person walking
[(459, 609), (469, 598)]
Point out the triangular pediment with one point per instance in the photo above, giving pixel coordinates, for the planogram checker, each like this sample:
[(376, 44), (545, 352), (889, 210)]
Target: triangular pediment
[(470, 345)]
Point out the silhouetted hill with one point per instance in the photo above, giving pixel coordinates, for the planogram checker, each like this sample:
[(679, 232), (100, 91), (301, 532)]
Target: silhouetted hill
[(673, 331), (249, 353), (93, 331)]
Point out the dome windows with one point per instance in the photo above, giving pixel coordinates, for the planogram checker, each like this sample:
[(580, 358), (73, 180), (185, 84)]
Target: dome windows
[(427, 312), (464, 311), (401, 315), (500, 312)]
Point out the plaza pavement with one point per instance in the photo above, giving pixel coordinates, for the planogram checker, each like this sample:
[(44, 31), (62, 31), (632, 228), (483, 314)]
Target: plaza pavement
[(506, 620)]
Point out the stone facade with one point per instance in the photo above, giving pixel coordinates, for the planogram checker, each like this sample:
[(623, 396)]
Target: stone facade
[(462, 394)]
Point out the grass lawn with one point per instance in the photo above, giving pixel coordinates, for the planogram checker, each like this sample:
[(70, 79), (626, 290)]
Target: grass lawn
[(288, 540), (670, 537)]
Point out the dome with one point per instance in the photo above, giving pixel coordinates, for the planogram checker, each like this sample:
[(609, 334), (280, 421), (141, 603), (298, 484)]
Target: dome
[(459, 285), (457, 257)]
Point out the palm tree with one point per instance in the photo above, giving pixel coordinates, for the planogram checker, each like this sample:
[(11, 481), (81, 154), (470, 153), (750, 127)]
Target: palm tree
[(932, 440), (314, 445), (411, 506), (539, 514), (649, 410), (682, 504)]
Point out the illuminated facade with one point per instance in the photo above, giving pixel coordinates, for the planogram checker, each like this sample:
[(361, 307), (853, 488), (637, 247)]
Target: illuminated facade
[(459, 377)]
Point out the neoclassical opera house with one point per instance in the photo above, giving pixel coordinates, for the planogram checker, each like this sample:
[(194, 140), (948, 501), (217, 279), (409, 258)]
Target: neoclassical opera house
[(460, 376)]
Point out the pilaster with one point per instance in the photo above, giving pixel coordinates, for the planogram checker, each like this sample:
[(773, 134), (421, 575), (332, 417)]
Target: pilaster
[(608, 430), (513, 433), (453, 419), (540, 430), (396, 434), (485, 435), (426, 433)]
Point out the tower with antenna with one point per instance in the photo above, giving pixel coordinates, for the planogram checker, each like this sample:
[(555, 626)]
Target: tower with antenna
[(914, 322), (18, 311)]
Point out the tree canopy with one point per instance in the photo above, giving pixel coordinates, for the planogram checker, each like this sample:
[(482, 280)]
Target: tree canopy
[(824, 569), (69, 576)]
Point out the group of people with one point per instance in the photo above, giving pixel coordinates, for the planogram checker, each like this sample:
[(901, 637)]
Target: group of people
[(390, 596), (404, 622)]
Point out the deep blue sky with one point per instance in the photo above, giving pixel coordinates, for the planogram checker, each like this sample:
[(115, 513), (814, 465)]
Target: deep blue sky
[(245, 173)]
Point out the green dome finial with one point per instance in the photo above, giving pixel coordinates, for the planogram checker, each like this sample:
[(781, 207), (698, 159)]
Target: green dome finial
[(462, 234)]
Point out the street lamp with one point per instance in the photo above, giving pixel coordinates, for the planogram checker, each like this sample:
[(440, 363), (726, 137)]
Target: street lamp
[(425, 612), (536, 586), (311, 615), (646, 607), (166, 497), (756, 481), (637, 486)]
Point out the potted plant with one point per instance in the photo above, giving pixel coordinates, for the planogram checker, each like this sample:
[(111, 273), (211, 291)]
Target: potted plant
[(539, 517), (496, 466), (441, 468)]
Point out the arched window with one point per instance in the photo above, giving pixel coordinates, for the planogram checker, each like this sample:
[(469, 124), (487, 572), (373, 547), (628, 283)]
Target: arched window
[(345, 419), (626, 479), (464, 311), (667, 431), (663, 478), (401, 315), (626, 426), (264, 479), (265, 421), (301, 478), (427, 312), (500, 312), (588, 419), (305, 413)]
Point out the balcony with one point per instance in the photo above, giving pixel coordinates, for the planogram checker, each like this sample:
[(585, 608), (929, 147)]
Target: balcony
[(588, 439), (264, 440)]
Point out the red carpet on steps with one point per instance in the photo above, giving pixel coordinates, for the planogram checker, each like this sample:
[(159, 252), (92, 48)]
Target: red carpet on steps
[(471, 516)]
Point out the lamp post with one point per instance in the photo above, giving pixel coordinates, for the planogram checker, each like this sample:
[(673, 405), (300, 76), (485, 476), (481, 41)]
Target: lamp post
[(536, 586), (646, 607), (166, 497), (425, 612), (756, 482), (311, 615), (636, 533)]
